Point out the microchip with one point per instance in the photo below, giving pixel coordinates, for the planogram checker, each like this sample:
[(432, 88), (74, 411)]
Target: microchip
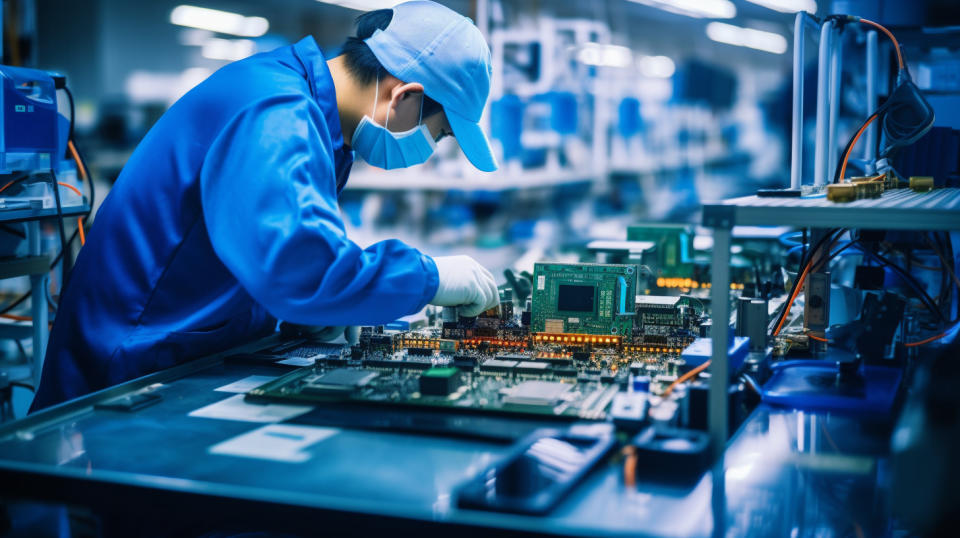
[(537, 394), (419, 351), (531, 367), (339, 381), (498, 366), (439, 381)]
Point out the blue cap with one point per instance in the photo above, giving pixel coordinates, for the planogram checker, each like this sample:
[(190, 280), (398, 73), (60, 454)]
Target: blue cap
[(442, 50)]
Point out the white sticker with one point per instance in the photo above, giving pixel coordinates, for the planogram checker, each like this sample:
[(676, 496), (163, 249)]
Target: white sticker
[(278, 442), (573, 320), (542, 282), (234, 408), (246, 384), (297, 361)]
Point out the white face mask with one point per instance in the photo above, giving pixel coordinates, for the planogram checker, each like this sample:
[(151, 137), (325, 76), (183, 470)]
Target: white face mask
[(384, 149)]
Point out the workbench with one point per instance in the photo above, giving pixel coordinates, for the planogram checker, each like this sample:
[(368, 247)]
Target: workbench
[(153, 470)]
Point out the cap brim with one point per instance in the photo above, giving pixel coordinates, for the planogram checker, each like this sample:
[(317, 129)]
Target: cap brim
[(473, 142)]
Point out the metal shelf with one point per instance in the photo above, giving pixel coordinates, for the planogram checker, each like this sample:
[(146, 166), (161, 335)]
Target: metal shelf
[(26, 213), (900, 209)]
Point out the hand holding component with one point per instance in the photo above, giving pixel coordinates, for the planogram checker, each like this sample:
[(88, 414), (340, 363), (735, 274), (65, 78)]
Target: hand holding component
[(466, 284)]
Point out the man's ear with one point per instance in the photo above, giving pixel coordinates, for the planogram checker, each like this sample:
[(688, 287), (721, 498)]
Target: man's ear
[(403, 91)]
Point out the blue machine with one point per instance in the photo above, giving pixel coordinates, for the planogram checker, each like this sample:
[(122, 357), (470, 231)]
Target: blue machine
[(29, 122), (701, 349)]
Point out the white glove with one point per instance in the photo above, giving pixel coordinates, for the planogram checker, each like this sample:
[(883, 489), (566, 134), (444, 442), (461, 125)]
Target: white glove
[(466, 284)]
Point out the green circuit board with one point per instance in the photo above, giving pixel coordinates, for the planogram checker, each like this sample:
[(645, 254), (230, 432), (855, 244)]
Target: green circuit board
[(584, 298)]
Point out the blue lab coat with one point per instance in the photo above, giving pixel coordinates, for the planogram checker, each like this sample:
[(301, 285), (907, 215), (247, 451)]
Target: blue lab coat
[(224, 220)]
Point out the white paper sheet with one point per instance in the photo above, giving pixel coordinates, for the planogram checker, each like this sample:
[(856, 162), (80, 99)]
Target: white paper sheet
[(246, 384), (278, 442), (234, 408)]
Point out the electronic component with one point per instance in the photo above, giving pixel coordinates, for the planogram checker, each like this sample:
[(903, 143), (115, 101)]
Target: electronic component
[(338, 382), (658, 310), (629, 410), (841, 192), (816, 308), (439, 381), (752, 320), (669, 454), (496, 366), (594, 299), (921, 183), (540, 394)]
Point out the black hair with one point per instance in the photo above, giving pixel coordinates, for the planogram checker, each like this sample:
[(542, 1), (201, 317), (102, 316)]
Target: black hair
[(363, 65)]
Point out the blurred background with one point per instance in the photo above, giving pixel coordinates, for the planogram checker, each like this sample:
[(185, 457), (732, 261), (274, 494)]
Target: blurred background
[(604, 113)]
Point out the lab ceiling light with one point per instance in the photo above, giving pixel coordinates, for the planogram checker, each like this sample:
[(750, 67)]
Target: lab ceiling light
[(788, 6), (656, 66), (747, 37), (216, 48), (703, 9), (363, 5), (604, 55), (223, 22)]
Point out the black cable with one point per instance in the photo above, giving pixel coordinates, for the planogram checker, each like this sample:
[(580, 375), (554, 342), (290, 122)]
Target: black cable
[(93, 192), (13, 231), (23, 352), (67, 262), (23, 386), (830, 235), (921, 293), (15, 304), (72, 112)]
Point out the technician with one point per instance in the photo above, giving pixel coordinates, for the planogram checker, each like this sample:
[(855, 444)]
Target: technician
[(225, 218)]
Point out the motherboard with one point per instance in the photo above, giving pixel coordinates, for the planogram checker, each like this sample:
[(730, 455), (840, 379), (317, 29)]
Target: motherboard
[(585, 338)]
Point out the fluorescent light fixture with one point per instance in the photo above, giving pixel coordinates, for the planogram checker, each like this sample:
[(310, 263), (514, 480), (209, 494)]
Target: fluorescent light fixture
[(604, 55), (227, 49), (747, 37), (163, 87), (709, 9), (223, 22), (788, 6), (656, 66), (193, 37), (363, 5)]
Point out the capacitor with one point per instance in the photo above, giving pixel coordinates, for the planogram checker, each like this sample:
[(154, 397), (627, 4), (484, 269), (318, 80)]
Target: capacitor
[(640, 383)]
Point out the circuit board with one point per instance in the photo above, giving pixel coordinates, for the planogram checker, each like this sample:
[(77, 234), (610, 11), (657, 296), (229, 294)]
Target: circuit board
[(504, 361), (583, 298), (502, 383)]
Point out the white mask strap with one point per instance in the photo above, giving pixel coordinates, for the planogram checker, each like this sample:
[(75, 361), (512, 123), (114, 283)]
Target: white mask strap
[(376, 97)]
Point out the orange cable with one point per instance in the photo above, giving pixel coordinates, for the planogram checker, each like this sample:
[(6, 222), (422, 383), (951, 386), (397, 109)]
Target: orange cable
[(685, 377), (629, 466), (76, 158), (71, 187), (896, 45), (846, 156), (817, 338), (927, 340), (83, 235), (801, 279)]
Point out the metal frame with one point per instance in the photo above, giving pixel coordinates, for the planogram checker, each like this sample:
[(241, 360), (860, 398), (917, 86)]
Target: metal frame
[(38, 281), (900, 209)]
